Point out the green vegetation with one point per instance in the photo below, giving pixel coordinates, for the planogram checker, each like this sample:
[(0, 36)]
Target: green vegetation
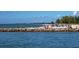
[(68, 20)]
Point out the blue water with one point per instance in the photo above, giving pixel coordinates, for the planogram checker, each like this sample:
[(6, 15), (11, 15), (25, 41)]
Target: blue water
[(39, 39)]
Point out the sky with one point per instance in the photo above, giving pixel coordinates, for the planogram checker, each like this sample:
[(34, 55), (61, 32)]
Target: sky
[(32, 16)]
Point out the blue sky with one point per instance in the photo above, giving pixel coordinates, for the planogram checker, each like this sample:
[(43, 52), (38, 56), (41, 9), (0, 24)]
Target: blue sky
[(31, 16)]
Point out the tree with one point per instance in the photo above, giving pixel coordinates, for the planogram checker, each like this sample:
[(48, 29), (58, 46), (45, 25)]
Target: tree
[(68, 20), (58, 21), (52, 22)]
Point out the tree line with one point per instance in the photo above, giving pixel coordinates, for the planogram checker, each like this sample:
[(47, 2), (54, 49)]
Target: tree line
[(68, 20)]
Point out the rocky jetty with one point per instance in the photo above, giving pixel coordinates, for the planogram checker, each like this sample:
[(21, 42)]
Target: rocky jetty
[(36, 30), (45, 28)]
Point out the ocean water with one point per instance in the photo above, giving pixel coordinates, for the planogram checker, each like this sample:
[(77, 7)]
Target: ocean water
[(21, 25), (39, 39)]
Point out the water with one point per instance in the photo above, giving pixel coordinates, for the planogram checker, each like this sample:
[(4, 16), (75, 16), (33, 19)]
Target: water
[(39, 39), (22, 25)]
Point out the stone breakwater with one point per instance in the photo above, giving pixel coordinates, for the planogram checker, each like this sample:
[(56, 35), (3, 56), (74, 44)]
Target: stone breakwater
[(36, 30)]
